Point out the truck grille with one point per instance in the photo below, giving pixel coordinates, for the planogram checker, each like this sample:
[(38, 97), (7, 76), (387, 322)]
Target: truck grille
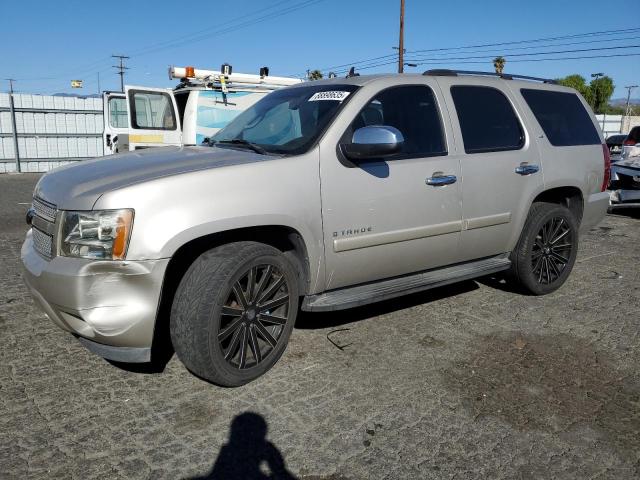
[(43, 227), (42, 243), (44, 209)]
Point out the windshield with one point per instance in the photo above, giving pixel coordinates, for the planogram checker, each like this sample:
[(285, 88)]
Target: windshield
[(286, 121)]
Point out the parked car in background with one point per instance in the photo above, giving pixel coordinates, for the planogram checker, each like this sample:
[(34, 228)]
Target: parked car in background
[(624, 190), (631, 144), (614, 142), (325, 195)]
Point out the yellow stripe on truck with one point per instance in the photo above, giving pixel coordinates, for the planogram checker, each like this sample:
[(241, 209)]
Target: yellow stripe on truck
[(146, 138)]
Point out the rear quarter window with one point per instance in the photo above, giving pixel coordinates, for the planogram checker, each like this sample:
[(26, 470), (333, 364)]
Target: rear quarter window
[(562, 117)]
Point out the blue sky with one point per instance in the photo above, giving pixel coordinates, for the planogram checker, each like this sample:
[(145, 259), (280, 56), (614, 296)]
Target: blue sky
[(45, 44)]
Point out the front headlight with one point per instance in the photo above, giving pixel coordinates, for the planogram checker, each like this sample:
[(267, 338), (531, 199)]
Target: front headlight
[(101, 234)]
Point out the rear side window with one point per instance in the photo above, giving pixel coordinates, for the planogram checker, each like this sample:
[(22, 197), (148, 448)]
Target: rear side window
[(487, 120), (562, 117)]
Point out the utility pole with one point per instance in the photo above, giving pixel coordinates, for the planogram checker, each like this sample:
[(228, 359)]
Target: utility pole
[(121, 68), (13, 124), (627, 110), (99, 84), (401, 40)]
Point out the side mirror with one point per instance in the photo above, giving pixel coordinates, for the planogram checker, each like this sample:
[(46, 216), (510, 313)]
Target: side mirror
[(376, 141)]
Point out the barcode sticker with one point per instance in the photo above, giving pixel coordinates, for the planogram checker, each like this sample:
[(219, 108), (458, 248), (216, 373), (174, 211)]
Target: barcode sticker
[(335, 95)]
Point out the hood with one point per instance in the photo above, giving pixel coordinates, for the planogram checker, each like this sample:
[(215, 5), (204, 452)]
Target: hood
[(78, 186)]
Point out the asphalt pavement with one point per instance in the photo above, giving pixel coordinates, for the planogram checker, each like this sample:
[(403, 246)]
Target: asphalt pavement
[(469, 381)]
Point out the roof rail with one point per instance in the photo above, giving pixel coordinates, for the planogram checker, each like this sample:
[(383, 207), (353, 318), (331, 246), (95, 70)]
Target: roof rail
[(443, 72)]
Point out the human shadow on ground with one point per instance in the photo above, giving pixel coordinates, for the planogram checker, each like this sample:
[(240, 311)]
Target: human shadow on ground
[(248, 455)]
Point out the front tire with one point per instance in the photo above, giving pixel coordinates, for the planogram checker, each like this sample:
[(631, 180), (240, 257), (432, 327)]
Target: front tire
[(233, 312), (547, 249)]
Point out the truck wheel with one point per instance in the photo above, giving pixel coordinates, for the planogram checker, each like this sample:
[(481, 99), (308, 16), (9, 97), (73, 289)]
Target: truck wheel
[(233, 312), (547, 249)]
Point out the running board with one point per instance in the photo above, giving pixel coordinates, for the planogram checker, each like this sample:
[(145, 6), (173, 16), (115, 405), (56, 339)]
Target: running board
[(395, 287)]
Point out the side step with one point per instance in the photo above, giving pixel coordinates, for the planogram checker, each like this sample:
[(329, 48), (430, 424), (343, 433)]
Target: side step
[(395, 287)]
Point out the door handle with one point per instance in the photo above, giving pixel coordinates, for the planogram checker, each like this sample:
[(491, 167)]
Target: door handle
[(526, 169), (439, 180)]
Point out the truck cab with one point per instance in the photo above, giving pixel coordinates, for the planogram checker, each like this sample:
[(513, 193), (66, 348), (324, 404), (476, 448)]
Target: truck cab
[(201, 104)]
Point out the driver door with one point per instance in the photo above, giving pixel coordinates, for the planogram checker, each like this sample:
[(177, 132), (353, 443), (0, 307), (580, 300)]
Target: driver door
[(153, 118), (381, 218), (115, 120)]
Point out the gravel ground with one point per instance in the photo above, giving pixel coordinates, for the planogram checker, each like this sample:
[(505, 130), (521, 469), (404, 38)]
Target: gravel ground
[(466, 381)]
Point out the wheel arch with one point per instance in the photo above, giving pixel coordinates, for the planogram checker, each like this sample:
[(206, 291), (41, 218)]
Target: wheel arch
[(284, 238), (568, 196)]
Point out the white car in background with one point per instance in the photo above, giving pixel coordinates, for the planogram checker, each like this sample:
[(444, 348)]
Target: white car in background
[(625, 174)]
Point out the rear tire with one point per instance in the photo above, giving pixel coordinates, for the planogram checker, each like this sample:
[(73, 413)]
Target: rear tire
[(547, 249), (233, 312)]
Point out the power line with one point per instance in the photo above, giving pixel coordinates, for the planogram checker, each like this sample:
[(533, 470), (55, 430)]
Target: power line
[(520, 42), (201, 31), (269, 16), (422, 60)]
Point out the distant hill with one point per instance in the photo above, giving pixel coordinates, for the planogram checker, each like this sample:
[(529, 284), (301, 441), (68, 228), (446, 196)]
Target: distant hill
[(621, 102)]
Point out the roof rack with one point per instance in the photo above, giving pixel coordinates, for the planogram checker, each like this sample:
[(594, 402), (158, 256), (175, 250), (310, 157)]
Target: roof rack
[(443, 72)]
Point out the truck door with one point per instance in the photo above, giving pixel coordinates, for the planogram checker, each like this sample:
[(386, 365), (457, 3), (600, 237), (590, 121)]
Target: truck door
[(114, 105), (500, 164), (153, 118), (398, 215)]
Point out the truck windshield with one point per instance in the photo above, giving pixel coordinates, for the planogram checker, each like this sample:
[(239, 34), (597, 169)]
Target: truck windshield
[(286, 121)]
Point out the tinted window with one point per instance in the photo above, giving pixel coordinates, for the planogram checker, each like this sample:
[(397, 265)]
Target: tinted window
[(410, 109), (152, 111), (487, 120), (562, 117)]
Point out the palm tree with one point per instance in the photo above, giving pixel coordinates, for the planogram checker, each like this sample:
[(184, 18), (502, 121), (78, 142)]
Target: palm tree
[(498, 64), (315, 75)]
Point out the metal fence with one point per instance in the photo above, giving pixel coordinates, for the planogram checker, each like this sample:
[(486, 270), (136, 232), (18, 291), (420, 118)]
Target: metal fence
[(49, 131)]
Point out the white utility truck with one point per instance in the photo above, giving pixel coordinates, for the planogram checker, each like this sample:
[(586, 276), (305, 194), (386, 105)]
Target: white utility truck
[(201, 104)]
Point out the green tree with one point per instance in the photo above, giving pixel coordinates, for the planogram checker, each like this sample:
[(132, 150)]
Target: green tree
[(601, 89), (315, 75), (498, 64), (597, 93)]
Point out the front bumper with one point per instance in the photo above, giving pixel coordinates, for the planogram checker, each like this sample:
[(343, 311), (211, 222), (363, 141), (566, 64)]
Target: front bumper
[(110, 305)]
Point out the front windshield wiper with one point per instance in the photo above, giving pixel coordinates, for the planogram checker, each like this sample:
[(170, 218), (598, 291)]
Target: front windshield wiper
[(238, 141)]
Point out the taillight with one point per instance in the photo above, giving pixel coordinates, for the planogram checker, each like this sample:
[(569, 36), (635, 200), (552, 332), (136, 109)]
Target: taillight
[(629, 141), (607, 167)]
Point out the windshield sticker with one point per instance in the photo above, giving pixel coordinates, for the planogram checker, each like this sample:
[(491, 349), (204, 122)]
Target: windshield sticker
[(336, 96)]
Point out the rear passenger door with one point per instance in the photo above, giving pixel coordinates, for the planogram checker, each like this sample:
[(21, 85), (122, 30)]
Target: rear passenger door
[(501, 170)]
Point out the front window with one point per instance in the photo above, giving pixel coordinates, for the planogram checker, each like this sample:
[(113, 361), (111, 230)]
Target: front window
[(286, 121), (152, 111)]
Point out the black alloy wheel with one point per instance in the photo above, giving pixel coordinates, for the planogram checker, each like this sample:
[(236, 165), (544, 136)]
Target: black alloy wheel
[(551, 250), (253, 316)]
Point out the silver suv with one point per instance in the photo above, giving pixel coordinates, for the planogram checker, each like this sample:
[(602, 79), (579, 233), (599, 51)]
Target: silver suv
[(322, 196)]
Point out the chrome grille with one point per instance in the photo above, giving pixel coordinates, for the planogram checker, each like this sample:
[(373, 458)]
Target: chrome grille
[(44, 209), (42, 243)]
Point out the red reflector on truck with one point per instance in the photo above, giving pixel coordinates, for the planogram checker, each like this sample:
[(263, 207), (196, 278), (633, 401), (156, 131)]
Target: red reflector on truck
[(607, 167)]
